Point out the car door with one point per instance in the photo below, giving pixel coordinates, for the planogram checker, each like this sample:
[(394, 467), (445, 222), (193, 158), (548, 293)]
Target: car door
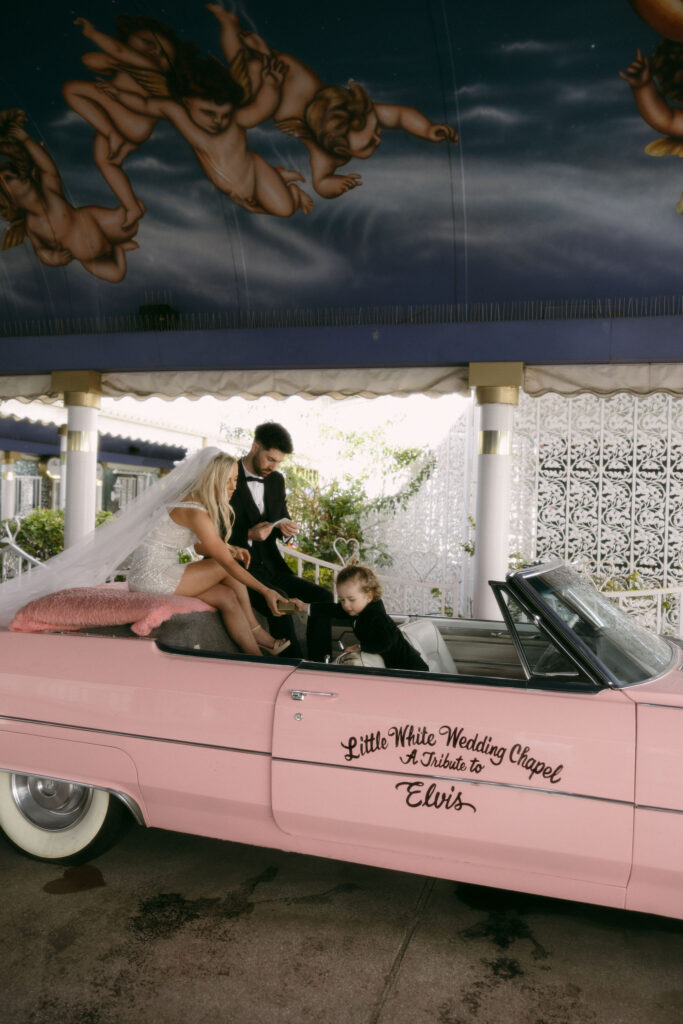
[(522, 782)]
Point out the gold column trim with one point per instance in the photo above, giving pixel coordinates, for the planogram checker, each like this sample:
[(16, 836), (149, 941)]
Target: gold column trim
[(79, 387), (81, 441), (495, 442), (497, 395), (496, 383), (85, 398), (494, 374)]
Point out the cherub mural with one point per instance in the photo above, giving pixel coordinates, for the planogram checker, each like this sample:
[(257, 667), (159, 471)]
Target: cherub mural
[(204, 106), (657, 80), (138, 61), (32, 199), (146, 72), (335, 123)]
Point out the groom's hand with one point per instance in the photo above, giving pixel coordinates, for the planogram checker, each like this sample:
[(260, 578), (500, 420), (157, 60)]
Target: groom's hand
[(260, 531)]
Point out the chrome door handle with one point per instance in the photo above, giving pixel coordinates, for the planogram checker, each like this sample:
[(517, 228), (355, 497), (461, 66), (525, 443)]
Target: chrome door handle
[(300, 694)]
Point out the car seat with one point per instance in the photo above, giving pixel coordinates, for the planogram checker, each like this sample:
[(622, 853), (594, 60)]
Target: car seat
[(425, 637), (360, 658)]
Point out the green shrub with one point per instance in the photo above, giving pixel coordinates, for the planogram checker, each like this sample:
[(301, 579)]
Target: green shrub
[(41, 533)]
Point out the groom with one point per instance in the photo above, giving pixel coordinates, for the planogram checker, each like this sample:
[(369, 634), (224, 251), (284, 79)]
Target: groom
[(260, 499)]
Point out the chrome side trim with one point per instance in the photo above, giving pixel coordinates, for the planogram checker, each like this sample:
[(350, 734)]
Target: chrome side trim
[(131, 804), (459, 779), (667, 810), (130, 735), (651, 704), (137, 814)]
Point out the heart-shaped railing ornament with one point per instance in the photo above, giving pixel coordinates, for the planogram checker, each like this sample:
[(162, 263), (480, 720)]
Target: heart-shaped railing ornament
[(346, 548), (422, 563)]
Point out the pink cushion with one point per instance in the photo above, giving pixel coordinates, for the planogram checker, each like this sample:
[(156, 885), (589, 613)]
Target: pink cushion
[(112, 604)]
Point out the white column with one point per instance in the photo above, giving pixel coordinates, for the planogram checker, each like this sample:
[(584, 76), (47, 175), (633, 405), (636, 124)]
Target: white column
[(62, 466), (497, 391), (81, 470), (81, 389), (8, 490), (99, 496)]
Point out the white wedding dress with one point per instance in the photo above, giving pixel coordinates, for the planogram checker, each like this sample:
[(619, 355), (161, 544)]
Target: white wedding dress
[(154, 567), (97, 556)]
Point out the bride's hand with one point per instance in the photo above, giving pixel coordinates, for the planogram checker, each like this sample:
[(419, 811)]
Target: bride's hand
[(241, 555), (272, 597)]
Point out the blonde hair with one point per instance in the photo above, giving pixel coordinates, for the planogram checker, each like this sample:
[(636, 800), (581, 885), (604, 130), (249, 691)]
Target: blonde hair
[(211, 489), (365, 576)]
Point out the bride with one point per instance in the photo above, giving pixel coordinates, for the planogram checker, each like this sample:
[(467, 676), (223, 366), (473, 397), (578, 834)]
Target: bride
[(184, 509)]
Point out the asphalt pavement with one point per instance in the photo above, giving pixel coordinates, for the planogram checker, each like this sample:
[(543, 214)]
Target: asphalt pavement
[(176, 929)]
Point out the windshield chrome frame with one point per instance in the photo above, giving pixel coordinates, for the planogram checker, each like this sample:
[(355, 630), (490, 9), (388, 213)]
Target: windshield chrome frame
[(594, 673), (517, 578)]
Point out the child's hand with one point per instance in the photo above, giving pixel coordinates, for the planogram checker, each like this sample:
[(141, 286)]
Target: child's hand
[(15, 131), (274, 72), (105, 86), (220, 12), (85, 26), (441, 133), (638, 73), (54, 257), (301, 606)]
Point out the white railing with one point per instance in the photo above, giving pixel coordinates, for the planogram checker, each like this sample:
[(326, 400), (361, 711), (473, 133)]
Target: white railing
[(658, 609), (13, 559), (402, 594)]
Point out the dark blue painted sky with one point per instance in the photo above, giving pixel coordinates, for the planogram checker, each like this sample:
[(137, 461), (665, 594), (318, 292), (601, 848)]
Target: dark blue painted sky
[(548, 196)]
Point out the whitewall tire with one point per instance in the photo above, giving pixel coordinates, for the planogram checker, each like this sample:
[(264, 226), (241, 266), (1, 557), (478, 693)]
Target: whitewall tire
[(57, 821)]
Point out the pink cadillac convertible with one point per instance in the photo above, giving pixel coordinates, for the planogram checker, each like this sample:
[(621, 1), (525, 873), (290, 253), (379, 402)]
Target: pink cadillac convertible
[(543, 753)]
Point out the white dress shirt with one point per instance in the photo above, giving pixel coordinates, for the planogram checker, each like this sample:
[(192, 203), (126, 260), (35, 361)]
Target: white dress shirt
[(256, 488)]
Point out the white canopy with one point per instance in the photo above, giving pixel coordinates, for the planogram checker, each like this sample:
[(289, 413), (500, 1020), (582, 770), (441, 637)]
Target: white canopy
[(368, 383), (603, 379)]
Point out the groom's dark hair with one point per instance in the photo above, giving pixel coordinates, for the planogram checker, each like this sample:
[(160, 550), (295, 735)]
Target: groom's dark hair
[(274, 435)]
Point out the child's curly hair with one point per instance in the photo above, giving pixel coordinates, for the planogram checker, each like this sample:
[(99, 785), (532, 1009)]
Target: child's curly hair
[(365, 576), (334, 112), (204, 77), (667, 67), (128, 24)]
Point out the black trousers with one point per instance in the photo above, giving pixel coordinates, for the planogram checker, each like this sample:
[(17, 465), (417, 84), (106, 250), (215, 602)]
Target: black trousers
[(318, 631)]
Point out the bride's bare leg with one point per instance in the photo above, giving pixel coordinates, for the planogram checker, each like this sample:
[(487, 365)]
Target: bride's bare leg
[(224, 599), (207, 580), (242, 595)]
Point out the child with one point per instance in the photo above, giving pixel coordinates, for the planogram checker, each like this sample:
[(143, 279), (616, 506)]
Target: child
[(360, 592), (32, 200), (333, 122), (139, 61), (204, 106)]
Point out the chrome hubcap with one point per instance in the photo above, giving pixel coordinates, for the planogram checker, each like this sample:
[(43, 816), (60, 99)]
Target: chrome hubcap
[(48, 803)]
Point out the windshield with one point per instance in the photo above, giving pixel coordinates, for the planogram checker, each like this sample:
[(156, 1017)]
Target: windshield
[(630, 653)]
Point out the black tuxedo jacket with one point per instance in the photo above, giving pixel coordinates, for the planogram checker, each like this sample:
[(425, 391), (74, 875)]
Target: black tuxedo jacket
[(264, 554)]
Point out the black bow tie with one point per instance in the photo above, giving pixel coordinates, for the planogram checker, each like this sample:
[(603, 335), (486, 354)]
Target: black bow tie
[(255, 479)]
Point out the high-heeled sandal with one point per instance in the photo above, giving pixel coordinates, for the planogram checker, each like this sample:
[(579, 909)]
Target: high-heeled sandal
[(278, 647)]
